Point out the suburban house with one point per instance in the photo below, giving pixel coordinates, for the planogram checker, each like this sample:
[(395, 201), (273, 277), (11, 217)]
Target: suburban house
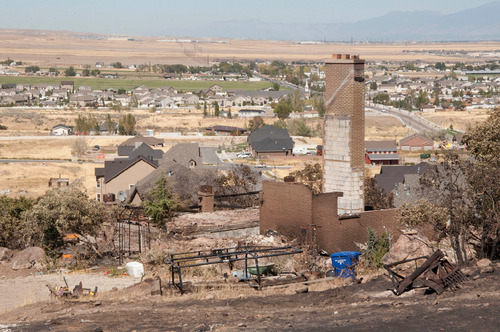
[(416, 142), (226, 130), (61, 130), (456, 140), (304, 115), (142, 149), (126, 148), (121, 174), (68, 85), (428, 108), (183, 180), (403, 181), (104, 130), (270, 141), (247, 113), (186, 154), (216, 88), (381, 153)]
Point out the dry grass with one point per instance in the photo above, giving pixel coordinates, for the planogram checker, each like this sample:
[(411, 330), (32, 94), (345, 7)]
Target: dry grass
[(63, 50), (31, 178), (459, 120)]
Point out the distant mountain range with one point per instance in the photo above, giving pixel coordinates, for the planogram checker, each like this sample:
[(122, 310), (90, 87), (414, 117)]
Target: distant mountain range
[(480, 23)]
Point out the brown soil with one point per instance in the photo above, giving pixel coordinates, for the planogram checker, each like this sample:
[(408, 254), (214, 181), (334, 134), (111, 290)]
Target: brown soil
[(61, 48), (360, 307)]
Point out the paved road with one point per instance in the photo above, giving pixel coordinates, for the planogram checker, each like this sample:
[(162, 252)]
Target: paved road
[(209, 155), (411, 120)]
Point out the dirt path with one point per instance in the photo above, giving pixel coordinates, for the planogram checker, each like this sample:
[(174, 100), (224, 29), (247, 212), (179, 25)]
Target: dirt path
[(20, 291), (359, 307)]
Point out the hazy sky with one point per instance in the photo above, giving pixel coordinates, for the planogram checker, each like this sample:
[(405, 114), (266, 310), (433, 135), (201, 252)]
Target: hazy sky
[(183, 17)]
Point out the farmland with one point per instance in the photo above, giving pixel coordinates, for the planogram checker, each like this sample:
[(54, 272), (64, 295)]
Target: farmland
[(125, 83)]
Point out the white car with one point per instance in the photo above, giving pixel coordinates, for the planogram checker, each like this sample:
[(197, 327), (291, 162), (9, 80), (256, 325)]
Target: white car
[(244, 155)]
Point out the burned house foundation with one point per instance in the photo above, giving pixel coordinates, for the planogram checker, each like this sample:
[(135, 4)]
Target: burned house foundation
[(295, 211)]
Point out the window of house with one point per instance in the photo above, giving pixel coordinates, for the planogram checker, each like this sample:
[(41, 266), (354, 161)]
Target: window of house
[(98, 197), (98, 183)]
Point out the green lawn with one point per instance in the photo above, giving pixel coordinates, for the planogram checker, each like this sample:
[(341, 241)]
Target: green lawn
[(104, 83)]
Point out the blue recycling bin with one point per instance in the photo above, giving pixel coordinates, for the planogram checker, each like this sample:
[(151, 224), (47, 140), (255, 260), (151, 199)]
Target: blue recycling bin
[(344, 262)]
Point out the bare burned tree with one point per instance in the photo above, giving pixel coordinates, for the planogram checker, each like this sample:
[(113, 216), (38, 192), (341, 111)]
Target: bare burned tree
[(311, 176), (483, 143), (446, 186), (240, 179), (375, 196)]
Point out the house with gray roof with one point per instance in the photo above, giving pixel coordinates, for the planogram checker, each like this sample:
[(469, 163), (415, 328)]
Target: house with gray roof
[(270, 141), (186, 154), (391, 176), (121, 174)]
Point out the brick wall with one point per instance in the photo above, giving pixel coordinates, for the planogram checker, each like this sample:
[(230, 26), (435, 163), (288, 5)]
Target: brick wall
[(343, 140), (287, 207), (337, 235)]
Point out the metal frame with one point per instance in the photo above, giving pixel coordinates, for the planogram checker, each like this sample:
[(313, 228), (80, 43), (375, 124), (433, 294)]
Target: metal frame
[(438, 272), (178, 261), (134, 218)]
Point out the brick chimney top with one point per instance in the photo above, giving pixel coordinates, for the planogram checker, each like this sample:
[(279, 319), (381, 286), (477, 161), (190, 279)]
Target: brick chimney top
[(344, 56)]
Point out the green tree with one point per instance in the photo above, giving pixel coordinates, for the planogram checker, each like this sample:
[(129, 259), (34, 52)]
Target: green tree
[(276, 86), (64, 211), (12, 221), (422, 99), (85, 124), (299, 127), (160, 202), (31, 69), (216, 108), (319, 105), (126, 125), (295, 101), (376, 247), (373, 86), (70, 71), (110, 125), (117, 65), (381, 98), (440, 66), (283, 109)]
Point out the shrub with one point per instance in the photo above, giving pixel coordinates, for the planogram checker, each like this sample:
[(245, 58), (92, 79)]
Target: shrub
[(376, 247)]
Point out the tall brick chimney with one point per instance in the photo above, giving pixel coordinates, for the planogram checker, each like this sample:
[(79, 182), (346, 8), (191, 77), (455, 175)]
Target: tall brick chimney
[(344, 133)]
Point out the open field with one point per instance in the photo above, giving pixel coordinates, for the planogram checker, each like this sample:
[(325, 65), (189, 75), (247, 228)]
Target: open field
[(61, 48), (117, 83), (458, 119)]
